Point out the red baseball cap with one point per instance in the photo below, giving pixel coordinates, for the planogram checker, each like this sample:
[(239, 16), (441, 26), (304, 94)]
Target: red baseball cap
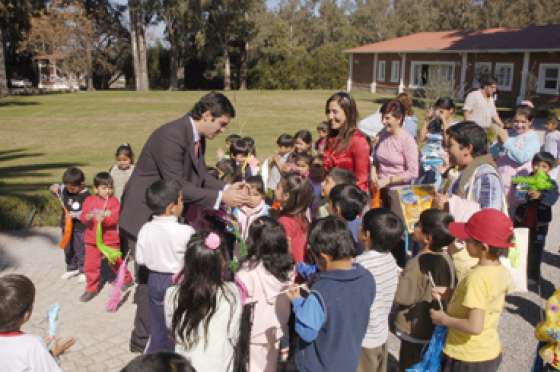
[(488, 226)]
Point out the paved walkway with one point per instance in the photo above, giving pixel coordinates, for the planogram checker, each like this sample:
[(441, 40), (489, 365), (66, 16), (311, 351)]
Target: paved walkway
[(102, 337)]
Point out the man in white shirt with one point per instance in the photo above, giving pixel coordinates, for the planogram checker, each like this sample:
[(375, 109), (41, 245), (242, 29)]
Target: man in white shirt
[(480, 107)]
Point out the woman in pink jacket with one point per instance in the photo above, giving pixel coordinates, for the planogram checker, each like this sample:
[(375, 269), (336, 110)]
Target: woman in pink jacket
[(263, 278)]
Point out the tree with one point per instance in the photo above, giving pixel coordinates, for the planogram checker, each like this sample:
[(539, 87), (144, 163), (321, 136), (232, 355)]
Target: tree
[(138, 15)]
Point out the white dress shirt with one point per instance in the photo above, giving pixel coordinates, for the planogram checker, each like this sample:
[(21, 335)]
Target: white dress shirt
[(162, 243)]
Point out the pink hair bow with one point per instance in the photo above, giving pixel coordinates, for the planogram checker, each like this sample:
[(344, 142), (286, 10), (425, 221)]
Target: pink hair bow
[(212, 241)]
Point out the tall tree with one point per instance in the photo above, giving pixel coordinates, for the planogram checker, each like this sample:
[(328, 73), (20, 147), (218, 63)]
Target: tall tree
[(138, 43), (173, 15)]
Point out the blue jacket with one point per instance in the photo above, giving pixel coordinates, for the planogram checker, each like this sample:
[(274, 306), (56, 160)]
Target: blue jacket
[(332, 320)]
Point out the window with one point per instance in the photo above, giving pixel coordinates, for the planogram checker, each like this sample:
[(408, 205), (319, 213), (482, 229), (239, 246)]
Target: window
[(549, 78), (481, 69), (381, 71), (425, 73), (395, 71), (504, 76)]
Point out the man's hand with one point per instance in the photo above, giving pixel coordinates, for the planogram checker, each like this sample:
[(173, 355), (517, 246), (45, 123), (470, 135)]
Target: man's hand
[(236, 195)]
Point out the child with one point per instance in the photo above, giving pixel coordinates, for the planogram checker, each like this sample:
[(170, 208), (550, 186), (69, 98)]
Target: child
[(239, 151), (20, 351), (206, 330), (224, 154), (332, 321), (336, 176), (473, 314), (316, 176), (518, 150), (228, 171), (302, 163), (295, 194), (321, 143), (123, 169), (72, 193), (252, 160), (535, 212), (101, 208), (552, 137), (274, 166), (348, 201), (246, 215), (303, 141), (381, 232), (159, 362), (161, 247), (414, 293), (264, 275)]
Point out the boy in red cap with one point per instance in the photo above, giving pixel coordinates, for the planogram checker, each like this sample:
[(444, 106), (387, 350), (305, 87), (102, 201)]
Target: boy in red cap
[(473, 314)]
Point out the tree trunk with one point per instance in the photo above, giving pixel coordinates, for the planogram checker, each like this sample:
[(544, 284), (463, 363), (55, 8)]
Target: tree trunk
[(3, 77), (138, 46), (143, 56), (173, 65), (227, 69), (244, 68), (134, 45)]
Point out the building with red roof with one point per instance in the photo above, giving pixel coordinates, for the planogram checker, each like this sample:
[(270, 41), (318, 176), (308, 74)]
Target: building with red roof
[(525, 61)]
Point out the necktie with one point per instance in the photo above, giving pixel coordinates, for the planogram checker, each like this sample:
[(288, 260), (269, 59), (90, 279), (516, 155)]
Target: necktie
[(197, 150)]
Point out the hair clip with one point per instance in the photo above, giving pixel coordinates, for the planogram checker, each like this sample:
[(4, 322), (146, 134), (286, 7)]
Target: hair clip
[(212, 241)]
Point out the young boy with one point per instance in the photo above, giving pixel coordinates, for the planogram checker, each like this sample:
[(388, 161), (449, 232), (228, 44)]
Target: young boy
[(161, 248), (348, 201), (536, 213), (285, 143), (414, 293), (473, 314), (102, 208), (332, 320), (239, 151), (73, 192), (20, 351), (220, 153), (336, 176), (382, 231)]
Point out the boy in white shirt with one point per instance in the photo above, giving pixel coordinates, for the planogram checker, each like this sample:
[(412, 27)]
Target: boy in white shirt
[(161, 248), (20, 351)]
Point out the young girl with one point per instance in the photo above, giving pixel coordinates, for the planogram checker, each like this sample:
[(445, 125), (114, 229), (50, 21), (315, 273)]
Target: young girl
[(303, 141), (102, 208), (302, 163), (122, 170), (517, 151), (264, 275), (473, 314), (295, 194), (203, 311), (246, 215), (414, 292)]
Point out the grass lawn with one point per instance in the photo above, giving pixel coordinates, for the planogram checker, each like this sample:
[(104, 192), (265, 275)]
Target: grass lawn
[(43, 135)]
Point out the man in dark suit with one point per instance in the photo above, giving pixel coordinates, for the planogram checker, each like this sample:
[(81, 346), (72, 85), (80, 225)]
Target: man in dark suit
[(176, 151)]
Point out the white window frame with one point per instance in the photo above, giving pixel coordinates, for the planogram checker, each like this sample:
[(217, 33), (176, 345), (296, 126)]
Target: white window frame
[(476, 82), (540, 85), (506, 88), (395, 71), (381, 68), (413, 64)]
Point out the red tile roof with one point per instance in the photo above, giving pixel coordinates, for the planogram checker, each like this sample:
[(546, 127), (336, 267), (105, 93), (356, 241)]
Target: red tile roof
[(544, 38)]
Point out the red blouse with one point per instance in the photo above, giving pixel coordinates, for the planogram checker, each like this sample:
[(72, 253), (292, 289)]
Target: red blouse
[(355, 158)]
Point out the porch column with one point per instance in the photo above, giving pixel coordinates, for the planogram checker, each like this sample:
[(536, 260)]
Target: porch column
[(403, 69), (373, 85), (524, 77), (350, 70), (464, 64)]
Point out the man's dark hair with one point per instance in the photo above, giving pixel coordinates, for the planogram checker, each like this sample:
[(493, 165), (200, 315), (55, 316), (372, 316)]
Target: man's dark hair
[(17, 294), (340, 176), (240, 146), (73, 176), (469, 133), (285, 140), (544, 156), (486, 80), (256, 181), (216, 103), (435, 222), (103, 179), (349, 199), (163, 361), (385, 228), (330, 236), (162, 193)]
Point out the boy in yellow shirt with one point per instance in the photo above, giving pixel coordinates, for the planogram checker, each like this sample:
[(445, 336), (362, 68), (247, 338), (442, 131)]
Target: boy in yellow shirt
[(473, 314)]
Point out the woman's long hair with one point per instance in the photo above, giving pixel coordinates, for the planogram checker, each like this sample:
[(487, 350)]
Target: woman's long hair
[(198, 293), (267, 243), (348, 105)]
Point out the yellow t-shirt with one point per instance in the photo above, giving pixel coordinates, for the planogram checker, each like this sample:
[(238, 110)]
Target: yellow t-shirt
[(484, 288)]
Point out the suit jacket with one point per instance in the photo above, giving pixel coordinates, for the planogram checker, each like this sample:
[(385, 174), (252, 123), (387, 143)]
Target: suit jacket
[(168, 154)]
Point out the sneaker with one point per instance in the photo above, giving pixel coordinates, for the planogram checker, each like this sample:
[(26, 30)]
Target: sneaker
[(70, 274), (87, 296), (82, 278)]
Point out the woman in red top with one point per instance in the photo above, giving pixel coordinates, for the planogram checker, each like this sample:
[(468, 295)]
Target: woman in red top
[(347, 147)]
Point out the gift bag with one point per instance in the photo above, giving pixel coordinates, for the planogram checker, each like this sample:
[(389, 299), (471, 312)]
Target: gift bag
[(409, 201)]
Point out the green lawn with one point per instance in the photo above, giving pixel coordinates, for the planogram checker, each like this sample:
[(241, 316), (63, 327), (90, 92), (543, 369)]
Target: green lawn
[(42, 135)]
